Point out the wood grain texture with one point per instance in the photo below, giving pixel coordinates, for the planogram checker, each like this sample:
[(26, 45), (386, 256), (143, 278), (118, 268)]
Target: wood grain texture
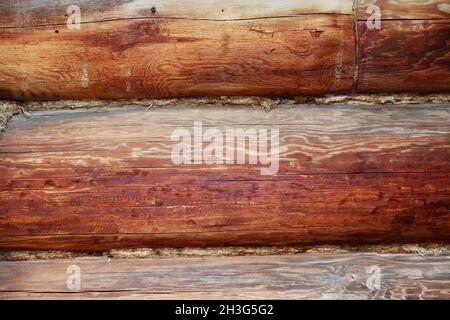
[(404, 56), (178, 57), (406, 9), (411, 51), (137, 49), (305, 276), (20, 13), (101, 179)]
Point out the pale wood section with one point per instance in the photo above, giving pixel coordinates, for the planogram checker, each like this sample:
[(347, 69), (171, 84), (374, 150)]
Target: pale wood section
[(304, 276), (173, 58), (98, 179), (406, 9), (404, 56), (18, 13)]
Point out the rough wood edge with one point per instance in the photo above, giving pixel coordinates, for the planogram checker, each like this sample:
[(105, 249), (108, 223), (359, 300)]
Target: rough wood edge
[(142, 253), (9, 108)]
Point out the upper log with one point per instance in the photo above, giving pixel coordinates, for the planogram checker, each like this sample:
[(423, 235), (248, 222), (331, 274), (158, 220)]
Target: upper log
[(160, 49), (167, 58)]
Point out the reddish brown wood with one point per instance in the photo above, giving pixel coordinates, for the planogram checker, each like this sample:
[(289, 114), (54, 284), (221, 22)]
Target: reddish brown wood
[(167, 57), (410, 53), (131, 49), (404, 56), (101, 179)]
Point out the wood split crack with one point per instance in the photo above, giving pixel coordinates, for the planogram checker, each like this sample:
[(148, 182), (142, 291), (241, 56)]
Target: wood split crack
[(177, 18)]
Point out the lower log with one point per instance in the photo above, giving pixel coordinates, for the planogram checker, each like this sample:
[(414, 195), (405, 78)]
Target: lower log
[(304, 276), (93, 180)]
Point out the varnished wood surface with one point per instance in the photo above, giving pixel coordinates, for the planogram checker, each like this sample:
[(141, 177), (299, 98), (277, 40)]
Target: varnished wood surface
[(404, 56), (100, 179), (304, 276), (133, 49), (410, 52), (179, 57)]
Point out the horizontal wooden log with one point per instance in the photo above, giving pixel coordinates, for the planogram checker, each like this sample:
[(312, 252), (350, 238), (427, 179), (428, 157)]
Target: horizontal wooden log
[(165, 58), (136, 49), (404, 56), (100, 179), (304, 276)]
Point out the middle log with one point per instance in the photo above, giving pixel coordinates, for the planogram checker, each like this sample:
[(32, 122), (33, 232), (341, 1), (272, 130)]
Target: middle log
[(112, 178)]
